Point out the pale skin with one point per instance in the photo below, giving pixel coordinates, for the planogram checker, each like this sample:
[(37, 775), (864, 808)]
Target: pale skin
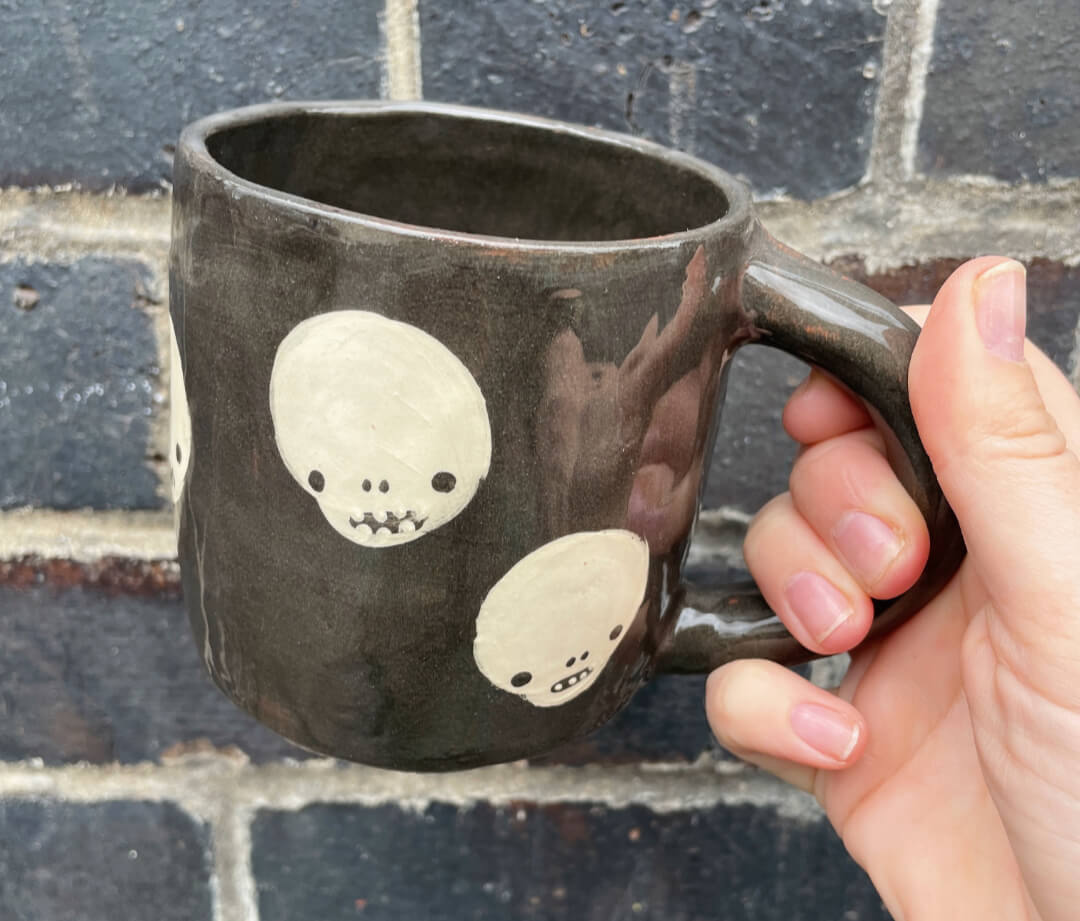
[(949, 758)]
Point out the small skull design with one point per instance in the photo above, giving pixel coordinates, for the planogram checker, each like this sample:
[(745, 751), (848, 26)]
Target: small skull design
[(179, 420), (550, 625), (380, 423)]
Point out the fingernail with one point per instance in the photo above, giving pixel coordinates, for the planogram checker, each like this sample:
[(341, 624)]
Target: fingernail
[(825, 730), (817, 603), (867, 544), (1001, 309)]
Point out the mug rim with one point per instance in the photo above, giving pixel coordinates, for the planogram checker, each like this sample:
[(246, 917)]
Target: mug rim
[(193, 146)]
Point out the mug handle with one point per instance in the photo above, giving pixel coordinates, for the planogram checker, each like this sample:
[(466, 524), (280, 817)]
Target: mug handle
[(801, 307)]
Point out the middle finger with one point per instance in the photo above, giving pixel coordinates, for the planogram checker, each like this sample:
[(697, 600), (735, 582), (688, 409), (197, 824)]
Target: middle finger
[(850, 496)]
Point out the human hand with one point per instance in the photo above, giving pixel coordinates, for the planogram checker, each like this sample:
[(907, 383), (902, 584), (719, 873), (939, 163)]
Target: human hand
[(949, 758)]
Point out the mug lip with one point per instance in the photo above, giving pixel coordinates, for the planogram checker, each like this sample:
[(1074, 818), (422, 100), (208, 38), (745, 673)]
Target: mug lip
[(193, 146)]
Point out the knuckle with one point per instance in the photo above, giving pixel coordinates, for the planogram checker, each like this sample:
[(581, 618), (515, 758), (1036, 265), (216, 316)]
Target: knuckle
[(844, 460), (1021, 436), (851, 480), (1013, 422)]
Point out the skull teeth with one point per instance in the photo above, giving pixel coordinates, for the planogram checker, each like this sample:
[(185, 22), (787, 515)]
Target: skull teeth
[(570, 680), (387, 522)]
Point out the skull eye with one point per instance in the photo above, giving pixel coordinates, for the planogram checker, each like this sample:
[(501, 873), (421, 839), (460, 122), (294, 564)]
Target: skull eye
[(616, 630), (443, 482), (521, 679), (316, 481)]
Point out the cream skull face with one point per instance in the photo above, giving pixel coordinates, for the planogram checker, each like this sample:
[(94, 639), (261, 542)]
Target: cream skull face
[(179, 420), (380, 423), (548, 627)]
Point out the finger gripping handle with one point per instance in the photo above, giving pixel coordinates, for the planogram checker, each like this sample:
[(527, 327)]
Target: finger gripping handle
[(798, 306)]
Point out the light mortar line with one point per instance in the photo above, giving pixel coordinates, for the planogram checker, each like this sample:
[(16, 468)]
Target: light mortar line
[(931, 219), (886, 144), (64, 226), (401, 27), (86, 536), (203, 784), (922, 48), (723, 517), (233, 882), (682, 88), (718, 538)]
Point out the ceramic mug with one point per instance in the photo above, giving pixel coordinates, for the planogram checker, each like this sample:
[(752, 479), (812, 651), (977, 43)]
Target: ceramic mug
[(445, 386)]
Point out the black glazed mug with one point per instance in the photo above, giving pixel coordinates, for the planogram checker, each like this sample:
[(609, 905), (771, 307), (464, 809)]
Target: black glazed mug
[(445, 386)]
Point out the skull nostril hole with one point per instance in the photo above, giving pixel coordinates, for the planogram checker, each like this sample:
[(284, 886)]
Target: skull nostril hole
[(443, 482), (366, 485), (584, 655), (316, 481), (571, 661), (179, 454), (616, 630), (521, 679), (384, 486)]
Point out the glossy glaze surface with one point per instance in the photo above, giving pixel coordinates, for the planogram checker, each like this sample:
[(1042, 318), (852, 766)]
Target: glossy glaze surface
[(597, 330)]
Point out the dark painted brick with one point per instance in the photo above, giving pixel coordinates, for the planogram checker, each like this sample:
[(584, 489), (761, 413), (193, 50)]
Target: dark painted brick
[(780, 90), (110, 861), (77, 376), (572, 861), (85, 676), (1001, 94), (97, 93)]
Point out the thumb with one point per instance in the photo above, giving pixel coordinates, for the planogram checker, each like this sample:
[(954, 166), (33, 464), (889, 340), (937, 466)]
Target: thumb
[(1002, 461)]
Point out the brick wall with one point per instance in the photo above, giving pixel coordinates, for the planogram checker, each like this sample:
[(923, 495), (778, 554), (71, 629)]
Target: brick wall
[(891, 139)]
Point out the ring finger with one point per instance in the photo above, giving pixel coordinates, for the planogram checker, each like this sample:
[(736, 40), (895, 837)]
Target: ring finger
[(811, 591)]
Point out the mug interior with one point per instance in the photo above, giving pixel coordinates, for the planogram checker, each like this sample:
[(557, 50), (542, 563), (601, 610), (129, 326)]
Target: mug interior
[(472, 174)]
